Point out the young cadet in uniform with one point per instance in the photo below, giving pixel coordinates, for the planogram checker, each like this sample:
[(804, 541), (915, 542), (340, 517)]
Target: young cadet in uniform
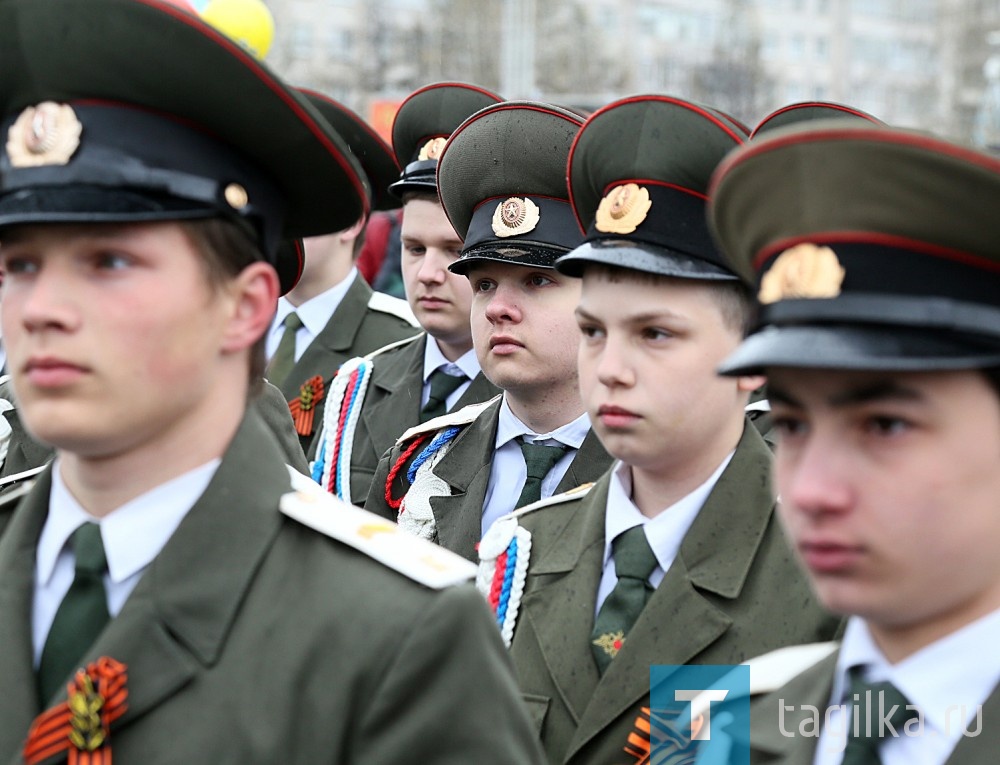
[(502, 179), (378, 397), (874, 253), (337, 316), (674, 556), (164, 596)]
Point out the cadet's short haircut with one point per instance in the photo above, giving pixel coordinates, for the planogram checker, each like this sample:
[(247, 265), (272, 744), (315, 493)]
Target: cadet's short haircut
[(227, 249), (732, 297), (427, 196)]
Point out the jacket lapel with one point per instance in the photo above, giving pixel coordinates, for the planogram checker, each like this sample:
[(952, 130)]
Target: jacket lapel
[(589, 464), (174, 624), (679, 624), (561, 611), (479, 390), (466, 469), (971, 750), (18, 702), (811, 689), (397, 383)]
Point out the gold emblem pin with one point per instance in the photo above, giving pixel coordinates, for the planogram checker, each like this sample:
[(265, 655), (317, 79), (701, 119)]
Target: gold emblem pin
[(804, 271), (432, 149), (623, 209), (236, 196), (611, 643), (46, 134), (515, 216)]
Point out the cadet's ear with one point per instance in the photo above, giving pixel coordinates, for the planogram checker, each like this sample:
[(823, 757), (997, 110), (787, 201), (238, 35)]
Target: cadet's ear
[(749, 384), (255, 296)]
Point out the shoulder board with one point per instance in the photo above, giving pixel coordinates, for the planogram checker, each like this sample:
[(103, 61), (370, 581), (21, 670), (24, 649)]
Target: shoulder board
[(416, 558), (772, 670), (464, 416), (393, 346), (10, 480), (577, 492), (383, 303)]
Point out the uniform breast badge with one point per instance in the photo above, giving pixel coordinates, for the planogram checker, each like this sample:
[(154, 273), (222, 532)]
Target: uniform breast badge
[(303, 408), (515, 216), (622, 209), (804, 271), (80, 726), (611, 643), (46, 134)]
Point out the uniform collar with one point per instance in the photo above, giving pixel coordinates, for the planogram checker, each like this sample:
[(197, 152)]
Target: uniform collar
[(667, 530), (936, 678), (133, 534), (510, 428), (315, 312), (467, 363)]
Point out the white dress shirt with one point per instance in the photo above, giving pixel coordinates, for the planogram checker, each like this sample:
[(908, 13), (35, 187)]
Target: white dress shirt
[(664, 533), (133, 536), (508, 471), (315, 314), (948, 681), (467, 364)]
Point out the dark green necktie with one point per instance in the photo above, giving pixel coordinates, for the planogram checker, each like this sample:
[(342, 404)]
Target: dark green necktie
[(873, 701), (283, 359), (539, 460), (442, 386), (81, 616), (634, 562)]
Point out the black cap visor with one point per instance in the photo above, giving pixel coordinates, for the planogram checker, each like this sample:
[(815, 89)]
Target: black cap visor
[(641, 256), (861, 348), (519, 253)]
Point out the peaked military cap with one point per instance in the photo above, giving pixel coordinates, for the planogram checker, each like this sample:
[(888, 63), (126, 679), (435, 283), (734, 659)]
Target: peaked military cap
[(870, 248), (638, 178), (137, 110), (374, 154), (806, 111), (422, 125), (502, 180)]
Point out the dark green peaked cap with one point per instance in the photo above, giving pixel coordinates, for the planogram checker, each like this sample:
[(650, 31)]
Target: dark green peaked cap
[(423, 123), (374, 154), (870, 248), (638, 176), (502, 181), (807, 111), (161, 117)]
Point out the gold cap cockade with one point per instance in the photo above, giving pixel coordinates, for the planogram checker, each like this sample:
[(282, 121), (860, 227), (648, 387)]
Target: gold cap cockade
[(622, 209), (515, 216), (45, 134), (432, 149), (803, 271)]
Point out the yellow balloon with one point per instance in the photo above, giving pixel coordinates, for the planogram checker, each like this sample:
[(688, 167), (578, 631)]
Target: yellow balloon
[(248, 22)]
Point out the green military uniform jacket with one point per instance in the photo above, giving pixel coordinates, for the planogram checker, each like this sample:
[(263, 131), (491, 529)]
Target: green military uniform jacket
[(392, 406), (813, 687), (25, 454), (252, 638), (363, 322), (733, 592), (466, 470)]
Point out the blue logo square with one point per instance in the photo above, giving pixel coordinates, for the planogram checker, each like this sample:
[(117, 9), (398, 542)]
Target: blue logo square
[(719, 697)]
